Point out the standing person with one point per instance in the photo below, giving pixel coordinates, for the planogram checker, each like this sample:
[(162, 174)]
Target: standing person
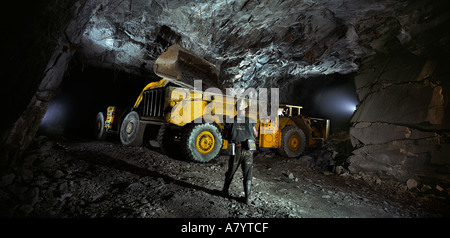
[(239, 133)]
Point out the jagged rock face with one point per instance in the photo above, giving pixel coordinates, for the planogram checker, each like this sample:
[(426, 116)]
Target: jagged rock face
[(401, 124), (397, 50), (254, 43)]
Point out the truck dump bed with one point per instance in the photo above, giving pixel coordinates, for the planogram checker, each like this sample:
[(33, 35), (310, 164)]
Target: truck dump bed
[(181, 67)]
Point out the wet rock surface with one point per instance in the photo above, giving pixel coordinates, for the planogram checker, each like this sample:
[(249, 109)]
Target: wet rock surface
[(79, 178)]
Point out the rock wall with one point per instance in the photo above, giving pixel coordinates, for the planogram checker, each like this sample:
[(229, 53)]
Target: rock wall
[(400, 128)]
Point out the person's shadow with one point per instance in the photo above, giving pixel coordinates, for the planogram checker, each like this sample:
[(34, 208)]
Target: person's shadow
[(105, 160)]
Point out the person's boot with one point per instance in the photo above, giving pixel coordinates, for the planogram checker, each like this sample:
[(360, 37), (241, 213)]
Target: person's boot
[(248, 192), (225, 189)]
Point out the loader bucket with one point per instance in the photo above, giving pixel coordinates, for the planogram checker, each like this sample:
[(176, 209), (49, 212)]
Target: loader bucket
[(182, 67)]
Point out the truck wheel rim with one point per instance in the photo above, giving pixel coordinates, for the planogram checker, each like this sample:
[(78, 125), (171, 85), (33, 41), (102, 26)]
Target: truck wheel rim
[(294, 142), (130, 127), (99, 126), (205, 142)]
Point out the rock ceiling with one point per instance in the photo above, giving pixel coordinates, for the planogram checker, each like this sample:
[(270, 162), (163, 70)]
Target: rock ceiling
[(254, 43)]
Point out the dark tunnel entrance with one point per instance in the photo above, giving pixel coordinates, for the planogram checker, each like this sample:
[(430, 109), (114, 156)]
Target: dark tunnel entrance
[(83, 93), (331, 96)]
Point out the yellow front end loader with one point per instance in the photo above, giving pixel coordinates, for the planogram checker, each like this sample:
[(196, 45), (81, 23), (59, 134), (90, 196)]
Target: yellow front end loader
[(291, 132)]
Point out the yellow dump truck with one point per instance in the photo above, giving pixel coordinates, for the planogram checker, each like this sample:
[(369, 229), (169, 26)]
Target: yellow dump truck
[(191, 121)]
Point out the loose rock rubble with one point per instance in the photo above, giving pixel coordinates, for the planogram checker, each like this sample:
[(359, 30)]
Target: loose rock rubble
[(79, 178)]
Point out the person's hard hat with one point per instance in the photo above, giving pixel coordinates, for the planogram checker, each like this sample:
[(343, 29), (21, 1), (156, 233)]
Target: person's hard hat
[(242, 104)]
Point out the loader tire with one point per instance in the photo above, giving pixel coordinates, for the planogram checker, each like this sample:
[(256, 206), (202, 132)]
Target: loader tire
[(293, 142), (100, 132), (201, 142), (132, 130), (167, 141)]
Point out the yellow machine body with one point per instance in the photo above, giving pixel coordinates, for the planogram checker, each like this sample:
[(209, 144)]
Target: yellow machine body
[(159, 84), (316, 130)]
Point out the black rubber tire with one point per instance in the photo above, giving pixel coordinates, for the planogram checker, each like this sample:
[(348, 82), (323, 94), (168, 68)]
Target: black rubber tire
[(189, 139), (132, 130), (166, 140), (286, 134), (100, 132)]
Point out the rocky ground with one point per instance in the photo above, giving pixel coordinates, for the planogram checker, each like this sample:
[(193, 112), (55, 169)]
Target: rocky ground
[(81, 178)]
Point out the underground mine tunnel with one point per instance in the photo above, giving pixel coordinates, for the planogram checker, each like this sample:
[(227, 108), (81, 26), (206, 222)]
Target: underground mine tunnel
[(378, 70)]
